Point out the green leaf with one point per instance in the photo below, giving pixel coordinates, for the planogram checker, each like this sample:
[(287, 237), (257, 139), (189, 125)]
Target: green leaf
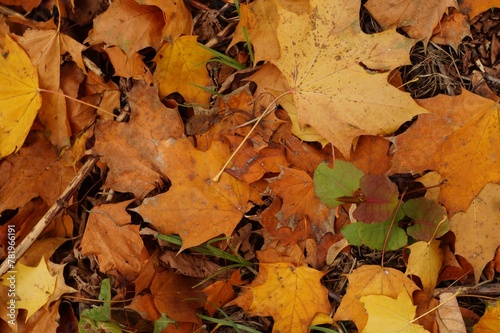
[(430, 219), (162, 323), (330, 184), (374, 235)]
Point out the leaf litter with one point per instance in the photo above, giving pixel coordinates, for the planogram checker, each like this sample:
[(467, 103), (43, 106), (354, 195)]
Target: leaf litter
[(294, 235)]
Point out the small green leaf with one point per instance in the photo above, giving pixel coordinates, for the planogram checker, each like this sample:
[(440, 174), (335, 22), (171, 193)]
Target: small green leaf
[(162, 323), (430, 219), (330, 184)]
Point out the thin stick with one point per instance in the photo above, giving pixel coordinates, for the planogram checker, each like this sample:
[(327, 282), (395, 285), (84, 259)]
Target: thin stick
[(56, 208), (264, 114), (77, 100)]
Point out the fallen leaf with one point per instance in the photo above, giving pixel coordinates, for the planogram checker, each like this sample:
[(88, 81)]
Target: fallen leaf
[(332, 183), (131, 148), (131, 67), (425, 261), (380, 197), (417, 18), (370, 155), (19, 103), (473, 8), (452, 29), (490, 321), (449, 318), (199, 209), (114, 240), (474, 239), (430, 219), (175, 296), (128, 25), (460, 140), (390, 315), (34, 171), (181, 67), (178, 18), (189, 265), (332, 91), (371, 280), (258, 22), (296, 189), (292, 295), (33, 286), (28, 5), (221, 292)]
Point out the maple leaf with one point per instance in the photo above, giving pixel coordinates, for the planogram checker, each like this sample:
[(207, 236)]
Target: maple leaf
[(128, 25), (258, 22), (473, 229), (131, 148), (116, 243), (324, 54), (178, 18), (19, 100), (175, 296), (128, 67), (180, 67), (390, 315), (460, 140), (45, 48), (33, 285), (198, 208), (417, 18), (371, 280), (34, 171), (425, 261), (296, 188), (292, 295)]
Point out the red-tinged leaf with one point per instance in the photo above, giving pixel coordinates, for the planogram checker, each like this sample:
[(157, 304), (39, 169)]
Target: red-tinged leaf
[(381, 197)]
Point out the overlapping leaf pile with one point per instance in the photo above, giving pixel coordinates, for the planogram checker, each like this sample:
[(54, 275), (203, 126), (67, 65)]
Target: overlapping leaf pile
[(184, 247)]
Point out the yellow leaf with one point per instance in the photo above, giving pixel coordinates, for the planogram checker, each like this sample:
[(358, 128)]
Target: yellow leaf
[(473, 229), (292, 295), (324, 54), (371, 280), (425, 261), (490, 321), (33, 286), (19, 99), (180, 67), (386, 314)]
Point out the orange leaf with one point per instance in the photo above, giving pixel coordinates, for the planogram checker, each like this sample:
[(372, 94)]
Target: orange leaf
[(195, 207), (490, 321), (460, 140), (128, 25), (292, 295)]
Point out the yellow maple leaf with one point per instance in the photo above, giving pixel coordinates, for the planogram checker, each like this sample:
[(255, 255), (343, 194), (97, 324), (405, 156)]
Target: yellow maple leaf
[(425, 261), (292, 295), (180, 67), (371, 280), (386, 314), (19, 98), (324, 54), (31, 286)]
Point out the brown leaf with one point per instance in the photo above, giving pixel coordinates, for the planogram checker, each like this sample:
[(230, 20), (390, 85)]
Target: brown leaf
[(131, 148), (116, 243)]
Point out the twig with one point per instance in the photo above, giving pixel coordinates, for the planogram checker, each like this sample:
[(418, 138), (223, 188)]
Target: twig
[(56, 208)]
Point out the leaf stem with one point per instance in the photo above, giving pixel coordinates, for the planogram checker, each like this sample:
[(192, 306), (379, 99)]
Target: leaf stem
[(77, 100)]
